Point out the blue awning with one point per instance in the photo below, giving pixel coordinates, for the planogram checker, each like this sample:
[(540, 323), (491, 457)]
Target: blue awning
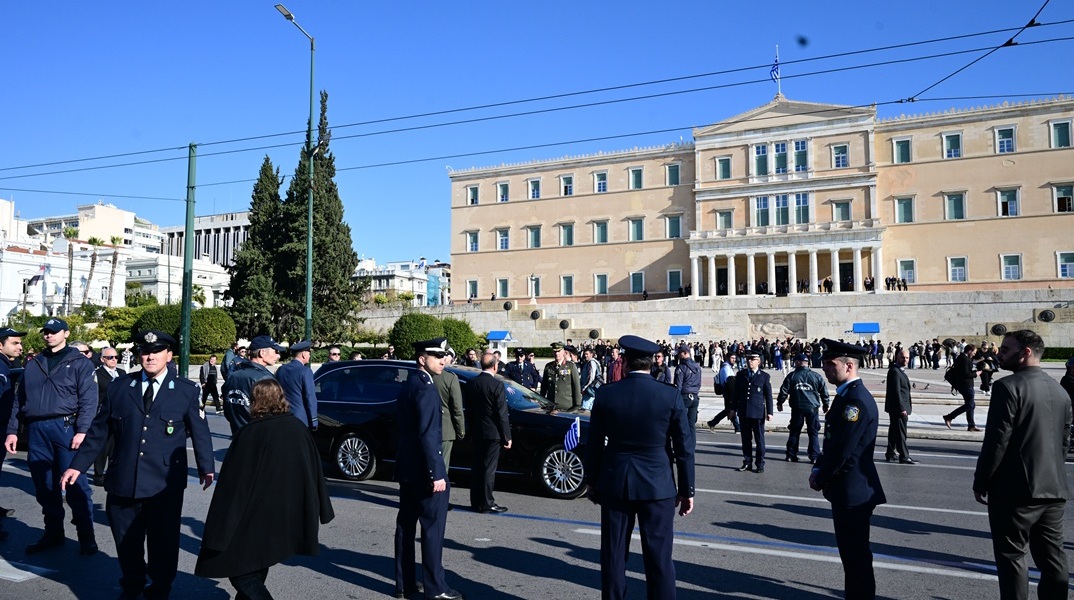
[(680, 330), (499, 336), (866, 328)]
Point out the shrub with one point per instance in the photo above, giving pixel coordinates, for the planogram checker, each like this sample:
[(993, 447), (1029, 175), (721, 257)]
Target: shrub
[(413, 327), (461, 336), (211, 329)]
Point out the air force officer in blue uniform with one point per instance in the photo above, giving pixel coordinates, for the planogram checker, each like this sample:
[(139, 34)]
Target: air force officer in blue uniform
[(845, 471), (423, 486), (151, 413), (631, 477)]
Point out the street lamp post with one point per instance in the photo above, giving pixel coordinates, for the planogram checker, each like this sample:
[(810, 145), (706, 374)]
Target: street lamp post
[(309, 205)]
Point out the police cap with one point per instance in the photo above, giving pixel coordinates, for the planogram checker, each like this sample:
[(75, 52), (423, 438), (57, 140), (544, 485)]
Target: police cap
[(300, 346), (54, 325), (520, 352), (834, 349), (153, 340), (638, 345), (437, 347), (571, 349), (7, 332), (264, 341), (801, 358)]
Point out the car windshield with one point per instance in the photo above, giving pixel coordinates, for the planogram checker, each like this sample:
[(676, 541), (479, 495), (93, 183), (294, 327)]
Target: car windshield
[(519, 397)]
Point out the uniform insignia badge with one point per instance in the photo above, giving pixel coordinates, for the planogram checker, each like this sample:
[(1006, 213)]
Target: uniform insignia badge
[(170, 429), (150, 337), (851, 414), (171, 385)]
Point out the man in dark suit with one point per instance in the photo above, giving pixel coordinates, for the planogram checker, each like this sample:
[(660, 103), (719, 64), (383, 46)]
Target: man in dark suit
[(898, 406), (845, 471), (422, 475), (637, 429), (145, 494), (1021, 472), (106, 374), (961, 378), (753, 405), (486, 410)]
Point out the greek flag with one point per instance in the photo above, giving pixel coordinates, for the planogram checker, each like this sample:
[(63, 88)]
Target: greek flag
[(774, 73), (570, 441)]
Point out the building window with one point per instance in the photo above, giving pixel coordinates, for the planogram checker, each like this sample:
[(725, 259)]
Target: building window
[(637, 283), (535, 188), (535, 286), (1064, 198), (635, 178), (908, 270), (952, 145), (840, 156), (1066, 264), (566, 285), (471, 241), (501, 288), (841, 210), (471, 288), (801, 207), (1061, 135), (674, 227), (780, 149), (1008, 203), (1012, 266), (1005, 140), (901, 151), (534, 236), (600, 232), (801, 156), (783, 209), (725, 219), (503, 239), (673, 174), (471, 195), (600, 182), (904, 210), (566, 234), (954, 207), (600, 283), (502, 191), (956, 269), (636, 229), (723, 167), (566, 185), (760, 160), (674, 280), (760, 211)]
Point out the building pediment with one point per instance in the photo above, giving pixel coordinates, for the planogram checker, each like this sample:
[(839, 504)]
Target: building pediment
[(782, 113)]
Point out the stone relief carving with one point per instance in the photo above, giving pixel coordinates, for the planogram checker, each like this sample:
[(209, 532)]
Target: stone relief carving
[(778, 326)]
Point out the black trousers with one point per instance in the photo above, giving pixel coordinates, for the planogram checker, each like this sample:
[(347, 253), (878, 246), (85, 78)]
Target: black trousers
[(1034, 526), (101, 463), (751, 429), (852, 538), (655, 518), (967, 405), (811, 420), (251, 586), (141, 523), (897, 436), (209, 389), (419, 504), (486, 456)]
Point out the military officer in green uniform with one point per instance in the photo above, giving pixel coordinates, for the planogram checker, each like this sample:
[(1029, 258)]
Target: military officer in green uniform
[(561, 383)]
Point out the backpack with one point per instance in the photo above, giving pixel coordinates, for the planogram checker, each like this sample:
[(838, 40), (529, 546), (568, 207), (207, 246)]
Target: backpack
[(717, 386), (949, 376)]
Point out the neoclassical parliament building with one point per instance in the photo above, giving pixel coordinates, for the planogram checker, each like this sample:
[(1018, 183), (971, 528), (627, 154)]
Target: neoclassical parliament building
[(776, 201)]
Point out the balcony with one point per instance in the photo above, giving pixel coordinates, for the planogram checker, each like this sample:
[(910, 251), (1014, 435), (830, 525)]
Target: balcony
[(783, 229)]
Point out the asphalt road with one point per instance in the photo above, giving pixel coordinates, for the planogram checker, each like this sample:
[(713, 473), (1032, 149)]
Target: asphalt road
[(750, 536)]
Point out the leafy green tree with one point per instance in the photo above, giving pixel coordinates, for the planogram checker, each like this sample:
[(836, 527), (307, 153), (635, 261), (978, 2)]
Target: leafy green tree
[(211, 329), (69, 234), (413, 327), (256, 307), (96, 242), (461, 335), (117, 324), (136, 296), (116, 241)]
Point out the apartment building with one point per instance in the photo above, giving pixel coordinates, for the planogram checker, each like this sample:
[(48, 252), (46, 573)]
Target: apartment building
[(217, 238), (103, 221)]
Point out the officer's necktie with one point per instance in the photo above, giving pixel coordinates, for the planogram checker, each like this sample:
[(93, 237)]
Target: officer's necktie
[(147, 397)]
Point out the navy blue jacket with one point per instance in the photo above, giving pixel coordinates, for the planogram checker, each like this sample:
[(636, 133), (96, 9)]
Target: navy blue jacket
[(70, 389), (296, 379), (419, 459), (7, 388), (753, 396), (637, 416), (845, 470), (525, 374), (237, 391), (688, 377), (149, 456)]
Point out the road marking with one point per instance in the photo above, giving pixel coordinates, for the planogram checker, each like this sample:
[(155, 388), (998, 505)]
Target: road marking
[(19, 572), (825, 501)]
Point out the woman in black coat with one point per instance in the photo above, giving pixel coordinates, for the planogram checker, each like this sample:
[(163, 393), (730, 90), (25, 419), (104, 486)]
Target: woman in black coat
[(270, 498)]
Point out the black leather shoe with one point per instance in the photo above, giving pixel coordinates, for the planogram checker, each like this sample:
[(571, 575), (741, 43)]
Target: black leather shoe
[(791, 459), (410, 591), (907, 461), (448, 595), (890, 458), (87, 547), (46, 542), (745, 467), (760, 469), (496, 508)]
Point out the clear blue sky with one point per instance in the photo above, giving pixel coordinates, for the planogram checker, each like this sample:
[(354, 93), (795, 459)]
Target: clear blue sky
[(85, 80)]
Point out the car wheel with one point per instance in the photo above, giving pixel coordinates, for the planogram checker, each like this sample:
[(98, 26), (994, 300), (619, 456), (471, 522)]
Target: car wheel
[(354, 457), (560, 473)]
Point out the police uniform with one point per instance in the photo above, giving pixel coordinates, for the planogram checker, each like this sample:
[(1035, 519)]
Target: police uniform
[(637, 429), (845, 472), (240, 383), (419, 464), (753, 406), (561, 384), (7, 403), (56, 401), (148, 467), (296, 379), (807, 391)]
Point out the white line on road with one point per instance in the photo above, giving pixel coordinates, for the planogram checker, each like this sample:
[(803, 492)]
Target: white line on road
[(19, 572), (824, 501)]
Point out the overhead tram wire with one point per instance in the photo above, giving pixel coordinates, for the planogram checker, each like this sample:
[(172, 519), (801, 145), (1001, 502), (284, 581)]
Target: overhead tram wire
[(66, 193), (540, 98)]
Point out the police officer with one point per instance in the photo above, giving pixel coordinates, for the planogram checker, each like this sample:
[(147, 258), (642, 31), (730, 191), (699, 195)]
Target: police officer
[(688, 380), (807, 391), (151, 413), (57, 402), (296, 379), (753, 406), (561, 383), (637, 424), (514, 371), (264, 352), (845, 471), (10, 351), (422, 475)]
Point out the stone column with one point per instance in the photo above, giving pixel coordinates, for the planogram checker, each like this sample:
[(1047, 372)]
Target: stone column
[(836, 286), (771, 257), (751, 275), (732, 284), (878, 270), (857, 269), (792, 273), (814, 273), (712, 274), (694, 272)]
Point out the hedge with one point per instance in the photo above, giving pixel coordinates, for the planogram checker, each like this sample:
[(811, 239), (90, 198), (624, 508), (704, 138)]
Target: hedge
[(413, 327), (211, 329)]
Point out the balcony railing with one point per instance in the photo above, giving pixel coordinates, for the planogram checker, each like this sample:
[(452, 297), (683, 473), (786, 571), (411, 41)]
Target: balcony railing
[(783, 229)]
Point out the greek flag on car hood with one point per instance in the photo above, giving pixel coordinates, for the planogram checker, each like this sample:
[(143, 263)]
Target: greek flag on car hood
[(570, 441)]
